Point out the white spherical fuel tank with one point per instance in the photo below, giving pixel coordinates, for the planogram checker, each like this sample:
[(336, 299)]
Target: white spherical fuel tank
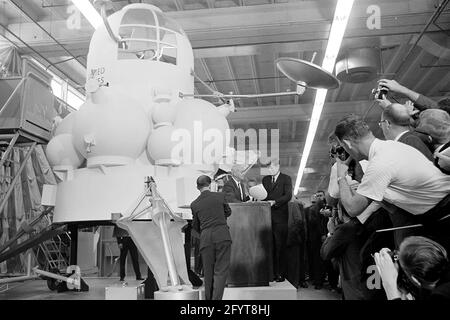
[(163, 112), (60, 152), (113, 131), (160, 145), (205, 127)]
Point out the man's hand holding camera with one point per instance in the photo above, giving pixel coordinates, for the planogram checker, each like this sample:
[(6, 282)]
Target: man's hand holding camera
[(342, 167), (388, 272), (326, 212), (331, 225)]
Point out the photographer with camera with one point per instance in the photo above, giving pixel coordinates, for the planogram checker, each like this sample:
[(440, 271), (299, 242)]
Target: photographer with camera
[(419, 101), (395, 124), (398, 175), (420, 263), (355, 247)]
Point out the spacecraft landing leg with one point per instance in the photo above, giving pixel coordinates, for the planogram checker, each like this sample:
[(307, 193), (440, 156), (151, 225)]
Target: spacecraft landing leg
[(160, 241)]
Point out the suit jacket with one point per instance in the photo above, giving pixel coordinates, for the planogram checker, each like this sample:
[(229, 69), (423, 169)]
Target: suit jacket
[(414, 141), (423, 103), (297, 225), (316, 224), (209, 212), (281, 193), (233, 192)]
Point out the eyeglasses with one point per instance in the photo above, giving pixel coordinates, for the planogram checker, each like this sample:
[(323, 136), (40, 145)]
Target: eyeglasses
[(379, 123)]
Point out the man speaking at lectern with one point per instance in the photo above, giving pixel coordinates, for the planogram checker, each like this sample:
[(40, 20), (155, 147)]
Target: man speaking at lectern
[(279, 193), (234, 188)]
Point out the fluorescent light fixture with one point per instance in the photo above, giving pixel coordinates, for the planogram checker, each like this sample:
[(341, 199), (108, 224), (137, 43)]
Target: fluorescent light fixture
[(309, 170), (341, 16), (89, 12)]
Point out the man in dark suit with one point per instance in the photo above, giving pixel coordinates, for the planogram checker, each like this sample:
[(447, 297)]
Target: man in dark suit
[(395, 123), (209, 213), (279, 193), (126, 244), (234, 188)]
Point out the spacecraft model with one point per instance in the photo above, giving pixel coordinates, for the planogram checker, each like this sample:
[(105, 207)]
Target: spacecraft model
[(141, 120), (134, 125)]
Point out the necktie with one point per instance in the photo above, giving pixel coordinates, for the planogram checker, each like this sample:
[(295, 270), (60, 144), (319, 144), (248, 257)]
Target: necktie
[(241, 190), (273, 179)]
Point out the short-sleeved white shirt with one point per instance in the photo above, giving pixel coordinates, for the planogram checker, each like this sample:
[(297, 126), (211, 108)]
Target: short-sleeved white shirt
[(333, 186), (403, 176)]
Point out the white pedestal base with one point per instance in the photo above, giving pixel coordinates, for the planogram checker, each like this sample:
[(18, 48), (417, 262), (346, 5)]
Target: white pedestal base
[(275, 291)]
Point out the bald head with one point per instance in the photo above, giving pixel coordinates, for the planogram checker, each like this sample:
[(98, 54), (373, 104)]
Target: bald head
[(203, 182), (397, 114)]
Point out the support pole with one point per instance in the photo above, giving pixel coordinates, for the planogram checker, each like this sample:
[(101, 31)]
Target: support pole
[(17, 279), (73, 229), (8, 150), (168, 251), (74, 281)]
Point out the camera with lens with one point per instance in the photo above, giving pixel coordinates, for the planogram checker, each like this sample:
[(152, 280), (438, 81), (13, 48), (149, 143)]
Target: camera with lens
[(379, 92), (393, 255), (327, 211), (339, 152)]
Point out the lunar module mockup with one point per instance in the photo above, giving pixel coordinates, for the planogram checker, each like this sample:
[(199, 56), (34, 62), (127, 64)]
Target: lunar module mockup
[(138, 144)]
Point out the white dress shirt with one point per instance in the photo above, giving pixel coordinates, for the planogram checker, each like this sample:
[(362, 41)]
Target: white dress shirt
[(240, 188), (404, 177)]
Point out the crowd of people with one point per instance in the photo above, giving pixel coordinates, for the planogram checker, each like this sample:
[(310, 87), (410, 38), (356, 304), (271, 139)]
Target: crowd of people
[(382, 229), (389, 201)]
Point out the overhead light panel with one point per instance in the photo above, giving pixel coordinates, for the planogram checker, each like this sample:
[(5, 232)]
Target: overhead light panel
[(89, 12), (338, 27)]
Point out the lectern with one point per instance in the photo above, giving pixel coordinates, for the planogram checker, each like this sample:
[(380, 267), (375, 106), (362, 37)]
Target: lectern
[(251, 252)]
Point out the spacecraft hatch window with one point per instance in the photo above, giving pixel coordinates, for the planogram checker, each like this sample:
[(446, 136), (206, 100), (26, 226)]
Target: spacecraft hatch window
[(148, 35), (138, 42), (169, 24), (139, 16)]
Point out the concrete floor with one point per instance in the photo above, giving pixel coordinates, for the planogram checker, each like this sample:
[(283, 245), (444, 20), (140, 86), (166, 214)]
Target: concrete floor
[(37, 290)]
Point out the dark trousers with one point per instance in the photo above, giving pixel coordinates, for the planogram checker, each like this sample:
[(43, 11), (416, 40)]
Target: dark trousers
[(332, 273), (437, 223), (434, 226), (151, 286), (316, 264), (297, 266), (402, 218), (216, 265), (280, 232), (128, 245), (198, 267)]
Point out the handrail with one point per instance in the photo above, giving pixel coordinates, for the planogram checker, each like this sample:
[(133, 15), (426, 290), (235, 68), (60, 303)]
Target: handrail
[(107, 25)]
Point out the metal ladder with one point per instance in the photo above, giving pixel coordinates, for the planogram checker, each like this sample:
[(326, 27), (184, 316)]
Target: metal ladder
[(52, 250)]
